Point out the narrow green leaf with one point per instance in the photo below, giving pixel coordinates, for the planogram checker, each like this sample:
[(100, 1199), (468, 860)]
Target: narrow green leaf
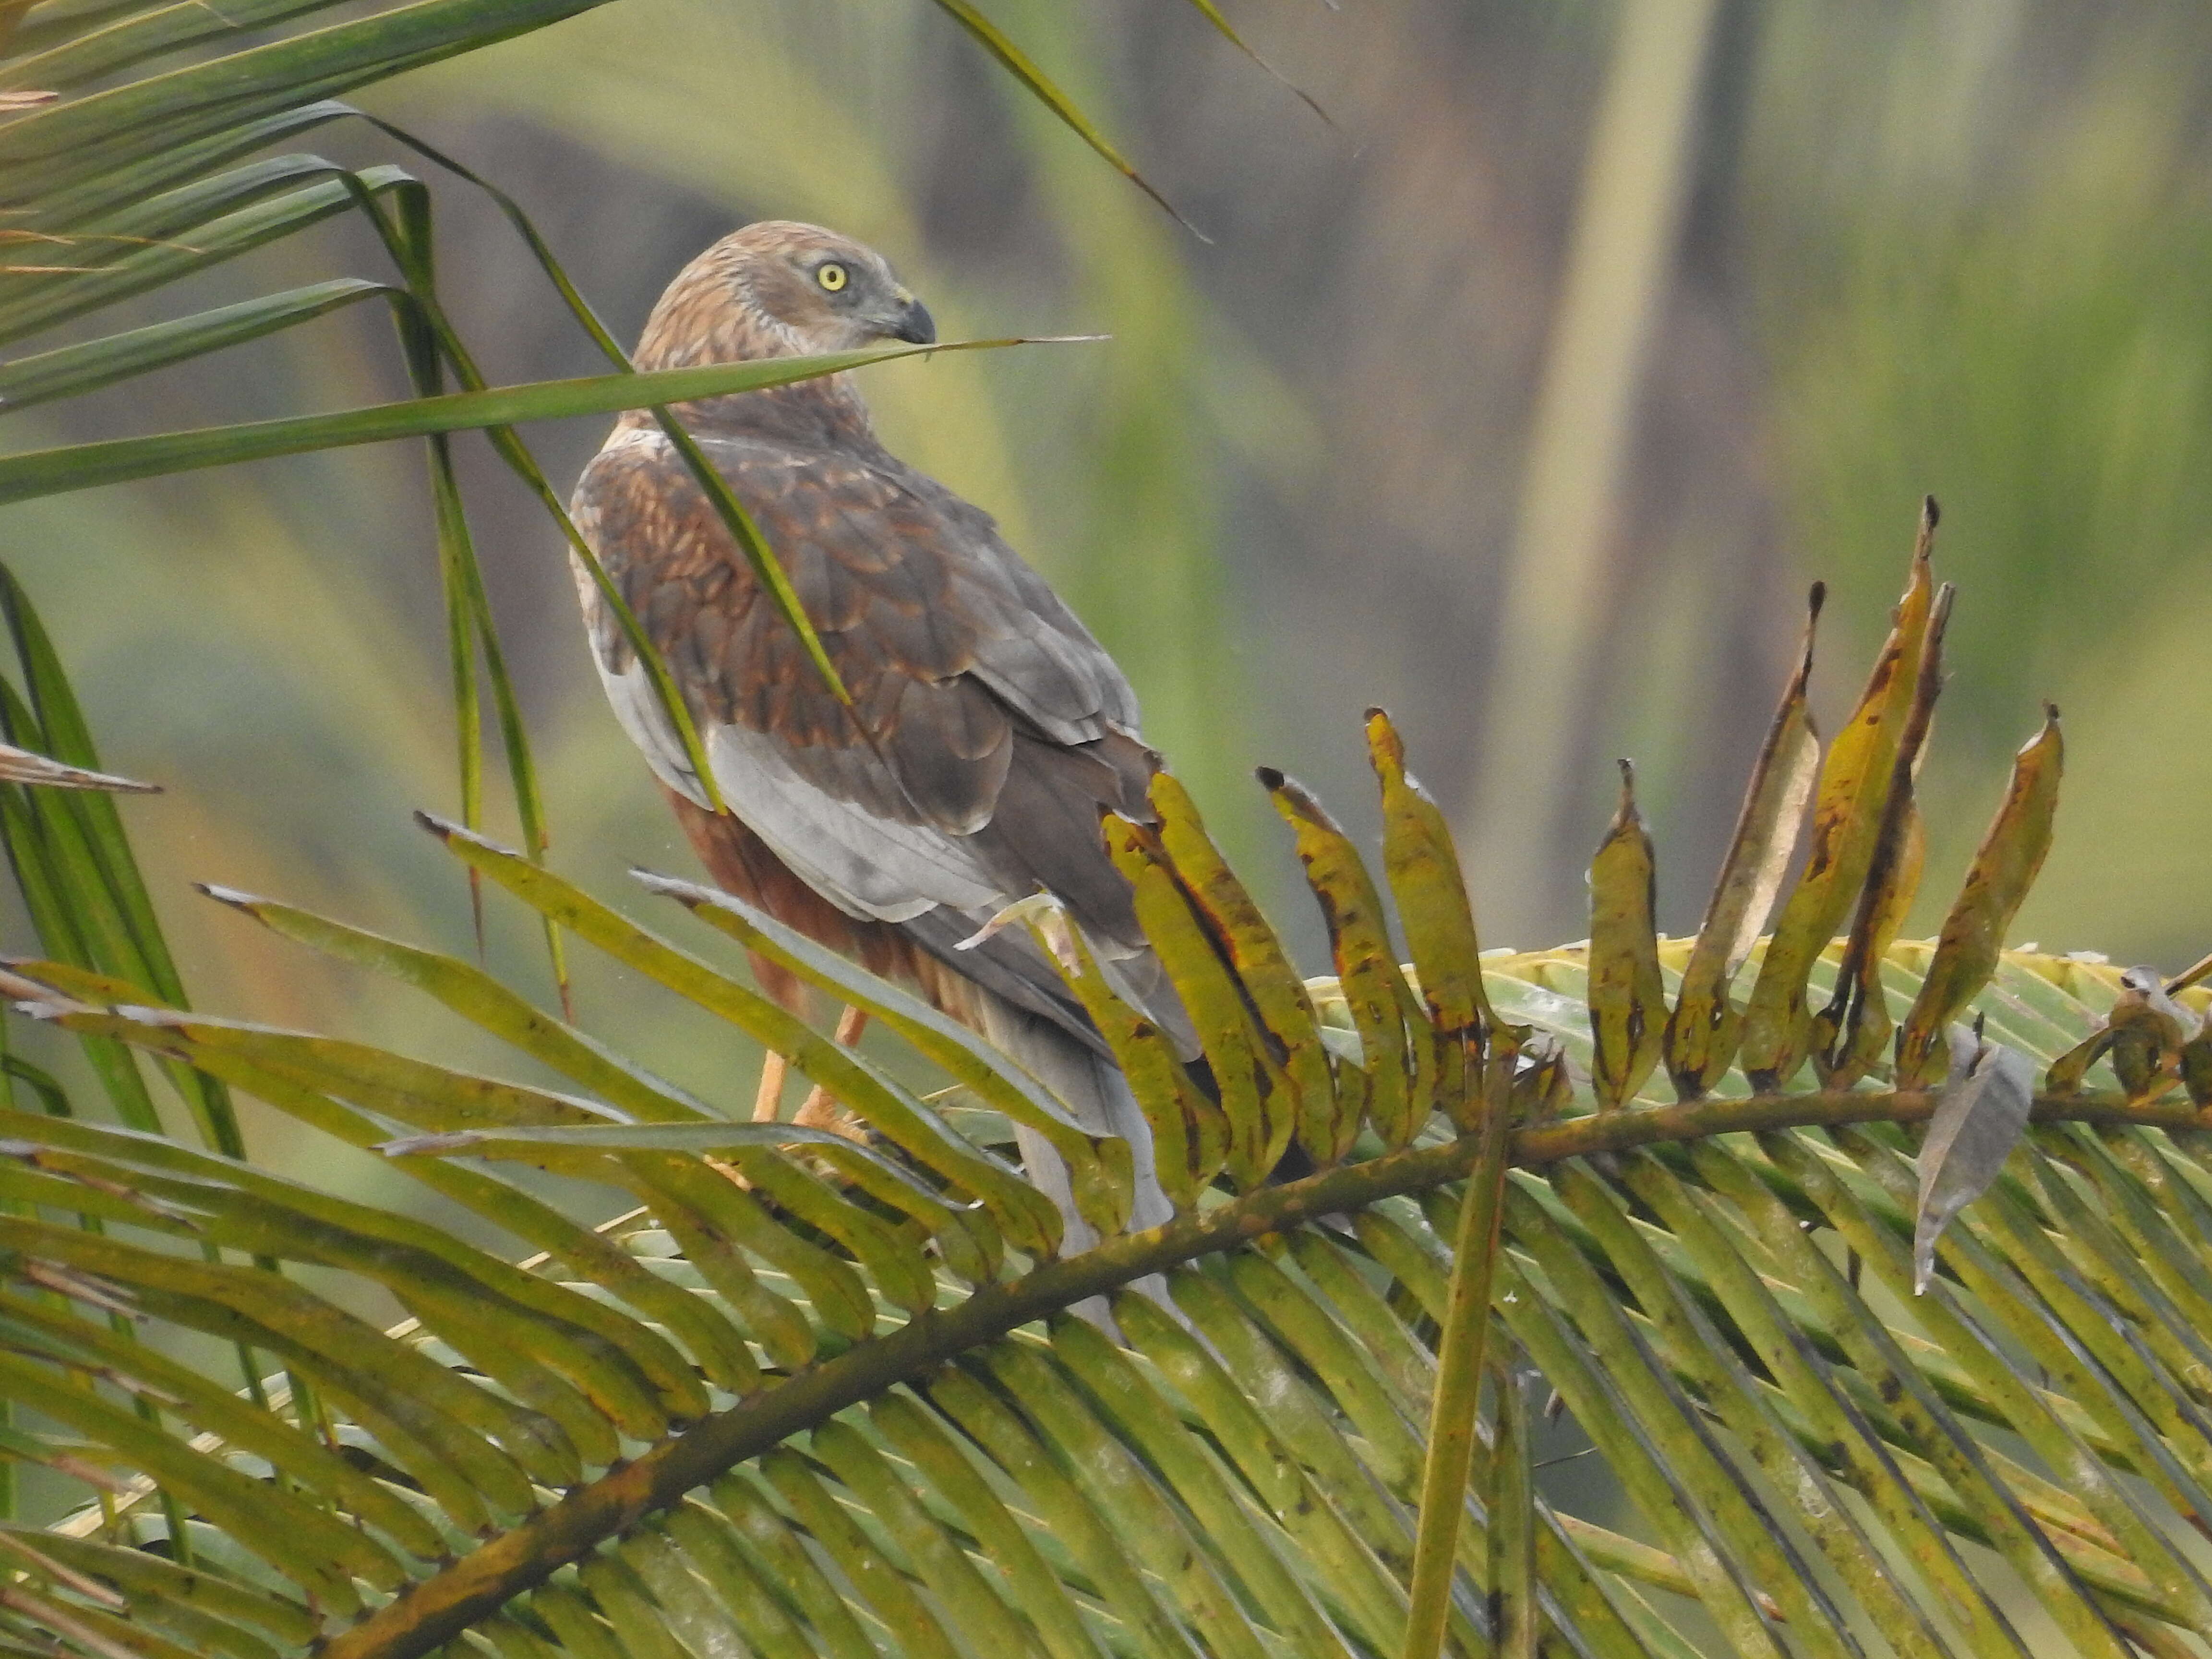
[(1026, 1214), (42, 886), (167, 169), (148, 33), (1213, 14), (735, 518), (530, 1141), (1036, 1589), (626, 1604), (1121, 1492), (1354, 1383), (68, 144), (1514, 1619), (57, 23), (457, 557), (478, 998), (576, 1629), (114, 239), (1015, 62), (1567, 1592), (1936, 1432), (77, 874), (965, 1057), (718, 1348), (694, 1614), (790, 1564), (641, 1351), (83, 466), (1069, 1517), (976, 1611), (507, 445), (1702, 1356), (518, 1330), (877, 1579), (1348, 1287), (1452, 1413), (1150, 1424), (52, 1098), (2109, 1263), (711, 1551), (2140, 1396), (139, 1572), (1366, 1599), (240, 1424), (409, 242), (1654, 1446), (427, 338), (29, 304), (317, 1551), (713, 1216), (1824, 1395), (91, 1629), (1304, 1424), (416, 1409), (432, 1097)]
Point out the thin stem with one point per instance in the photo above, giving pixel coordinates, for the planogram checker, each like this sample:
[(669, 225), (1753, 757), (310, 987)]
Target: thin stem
[(819, 1110), (1459, 1379)]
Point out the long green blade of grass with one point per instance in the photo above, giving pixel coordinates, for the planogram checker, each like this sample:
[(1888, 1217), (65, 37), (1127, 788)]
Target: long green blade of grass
[(426, 337), (102, 883), (169, 169), (1017, 64), (164, 29), (69, 371), (41, 301), (82, 466), (74, 141)]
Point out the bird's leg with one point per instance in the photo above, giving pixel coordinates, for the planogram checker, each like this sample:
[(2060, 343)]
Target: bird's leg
[(768, 1102), (819, 1110)]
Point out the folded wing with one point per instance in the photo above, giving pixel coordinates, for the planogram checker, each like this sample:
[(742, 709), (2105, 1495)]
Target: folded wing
[(987, 730)]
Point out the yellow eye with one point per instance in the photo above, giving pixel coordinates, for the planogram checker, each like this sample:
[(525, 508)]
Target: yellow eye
[(831, 277)]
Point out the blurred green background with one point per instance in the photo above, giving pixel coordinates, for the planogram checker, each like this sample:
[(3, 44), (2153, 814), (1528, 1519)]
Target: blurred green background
[(1961, 247)]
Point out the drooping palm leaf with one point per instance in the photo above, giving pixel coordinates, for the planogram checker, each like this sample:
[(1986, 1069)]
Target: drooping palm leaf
[(815, 1395)]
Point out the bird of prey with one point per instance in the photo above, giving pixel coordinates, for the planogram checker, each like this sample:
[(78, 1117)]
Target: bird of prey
[(988, 730)]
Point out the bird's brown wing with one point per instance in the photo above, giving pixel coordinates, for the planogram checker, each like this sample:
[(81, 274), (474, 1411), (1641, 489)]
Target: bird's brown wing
[(987, 729)]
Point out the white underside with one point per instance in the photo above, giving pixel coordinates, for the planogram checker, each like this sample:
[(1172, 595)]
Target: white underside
[(864, 864)]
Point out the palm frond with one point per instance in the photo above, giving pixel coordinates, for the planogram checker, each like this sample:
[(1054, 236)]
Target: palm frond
[(813, 1393)]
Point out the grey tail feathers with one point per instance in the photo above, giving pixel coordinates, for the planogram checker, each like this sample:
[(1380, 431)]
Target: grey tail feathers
[(1097, 1097)]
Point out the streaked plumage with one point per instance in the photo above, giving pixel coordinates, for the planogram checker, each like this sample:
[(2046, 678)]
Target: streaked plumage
[(988, 730)]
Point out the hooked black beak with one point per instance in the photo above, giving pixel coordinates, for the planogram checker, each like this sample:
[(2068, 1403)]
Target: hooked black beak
[(914, 323)]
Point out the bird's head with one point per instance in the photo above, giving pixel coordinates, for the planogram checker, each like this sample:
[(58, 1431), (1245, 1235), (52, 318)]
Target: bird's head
[(780, 288)]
